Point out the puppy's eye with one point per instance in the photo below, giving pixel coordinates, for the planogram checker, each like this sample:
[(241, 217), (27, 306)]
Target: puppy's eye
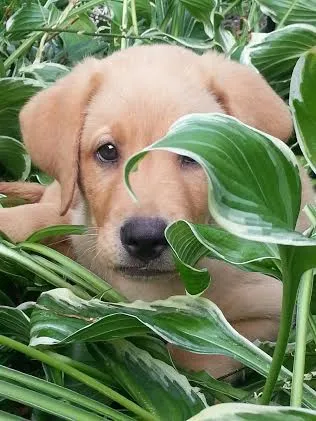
[(187, 161), (107, 153)]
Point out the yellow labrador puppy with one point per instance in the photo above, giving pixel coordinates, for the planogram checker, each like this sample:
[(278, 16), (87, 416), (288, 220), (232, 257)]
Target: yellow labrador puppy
[(82, 130)]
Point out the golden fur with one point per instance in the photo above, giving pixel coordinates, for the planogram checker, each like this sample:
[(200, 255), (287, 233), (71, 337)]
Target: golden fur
[(131, 98)]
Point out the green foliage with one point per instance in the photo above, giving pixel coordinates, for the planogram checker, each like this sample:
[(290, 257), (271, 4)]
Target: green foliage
[(70, 345)]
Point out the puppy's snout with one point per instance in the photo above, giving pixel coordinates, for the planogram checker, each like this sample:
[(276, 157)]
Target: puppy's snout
[(144, 238)]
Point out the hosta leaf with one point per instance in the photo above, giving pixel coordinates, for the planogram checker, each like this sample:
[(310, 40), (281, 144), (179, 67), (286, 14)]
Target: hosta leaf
[(14, 159), (275, 54), (45, 72), (150, 381), (14, 323), (303, 105), (246, 170), (55, 230), (190, 242), (242, 411), (196, 44), (194, 324), (14, 92), (298, 11), (29, 16)]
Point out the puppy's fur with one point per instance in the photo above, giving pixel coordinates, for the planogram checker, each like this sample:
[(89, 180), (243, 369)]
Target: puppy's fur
[(130, 99)]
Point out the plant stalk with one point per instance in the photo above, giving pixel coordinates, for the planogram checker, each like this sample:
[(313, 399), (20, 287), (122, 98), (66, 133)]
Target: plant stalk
[(124, 24), (134, 17), (78, 375), (303, 306), (288, 304)]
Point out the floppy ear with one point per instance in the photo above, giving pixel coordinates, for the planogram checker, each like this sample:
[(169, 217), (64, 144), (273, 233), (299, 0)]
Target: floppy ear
[(51, 124), (244, 94)]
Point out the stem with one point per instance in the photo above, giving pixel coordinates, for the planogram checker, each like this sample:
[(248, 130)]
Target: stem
[(78, 375), (230, 7), (134, 17), (288, 304), (312, 326), (53, 390), (99, 284), (287, 14), (34, 267), (303, 305), (21, 49), (73, 31), (85, 368), (124, 24)]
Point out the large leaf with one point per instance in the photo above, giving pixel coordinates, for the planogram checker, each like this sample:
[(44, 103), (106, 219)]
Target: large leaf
[(194, 324), (29, 16), (191, 242), (275, 54), (150, 381), (246, 170), (14, 159), (14, 92), (247, 412), (297, 11), (45, 72), (303, 105)]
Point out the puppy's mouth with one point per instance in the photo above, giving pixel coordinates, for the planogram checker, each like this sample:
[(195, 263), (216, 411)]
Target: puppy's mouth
[(143, 272)]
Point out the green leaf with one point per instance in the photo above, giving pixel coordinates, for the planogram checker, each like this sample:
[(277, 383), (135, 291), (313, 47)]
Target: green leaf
[(246, 170), (14, 323), (45, 72), (294, 11), (303, 105), (50, 397), (191, 242), (157, 35), (31, 16), (193, 324), (247, 412), (55, 230), (150, 381), (14, 159), (275, 54), (14, 92)]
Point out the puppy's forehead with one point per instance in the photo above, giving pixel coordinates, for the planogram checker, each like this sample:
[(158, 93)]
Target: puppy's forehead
[(143, 92)]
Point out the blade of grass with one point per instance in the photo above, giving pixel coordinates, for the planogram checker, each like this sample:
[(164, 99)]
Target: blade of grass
[(78, 375), (303, 306)]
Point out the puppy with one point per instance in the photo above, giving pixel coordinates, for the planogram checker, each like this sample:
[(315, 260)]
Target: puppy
[(82, 130)]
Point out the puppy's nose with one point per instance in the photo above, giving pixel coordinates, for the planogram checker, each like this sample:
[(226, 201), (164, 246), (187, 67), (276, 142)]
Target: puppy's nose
[(144, 238)]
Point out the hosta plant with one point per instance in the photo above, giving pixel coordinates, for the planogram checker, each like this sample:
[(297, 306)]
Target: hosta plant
[(71, 347)]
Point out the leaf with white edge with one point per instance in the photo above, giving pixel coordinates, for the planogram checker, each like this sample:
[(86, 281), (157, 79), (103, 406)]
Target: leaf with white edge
[(246, 170), (55, 230), (275, 54), (248, 412), (30, 16), (194, 324), (303, 105), (190, 242), (14, 159), (150, 381), (297, 11), (14, 92), (14, 323), (45, 72), (157, 35)]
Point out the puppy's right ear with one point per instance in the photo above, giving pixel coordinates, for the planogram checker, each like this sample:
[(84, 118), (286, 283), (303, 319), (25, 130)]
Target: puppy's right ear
[(51, 124)]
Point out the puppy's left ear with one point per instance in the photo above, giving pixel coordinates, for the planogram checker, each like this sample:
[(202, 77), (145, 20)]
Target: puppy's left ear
[(244, 94), (51, 124)]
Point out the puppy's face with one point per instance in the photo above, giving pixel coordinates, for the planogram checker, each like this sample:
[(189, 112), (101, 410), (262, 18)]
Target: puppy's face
[(130, 110), (108, 110)]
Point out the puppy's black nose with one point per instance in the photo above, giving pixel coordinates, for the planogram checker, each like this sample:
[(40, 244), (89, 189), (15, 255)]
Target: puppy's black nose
[(144, 238)]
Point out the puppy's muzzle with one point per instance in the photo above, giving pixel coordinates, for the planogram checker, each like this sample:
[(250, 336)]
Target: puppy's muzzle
[(143, 238)]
